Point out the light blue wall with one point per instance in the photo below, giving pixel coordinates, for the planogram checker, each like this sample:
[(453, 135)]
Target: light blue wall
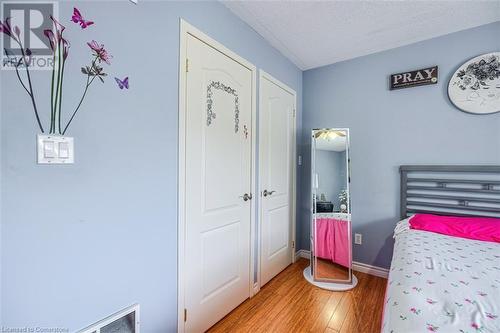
[(330, 166), (390, 128), (79, 242)]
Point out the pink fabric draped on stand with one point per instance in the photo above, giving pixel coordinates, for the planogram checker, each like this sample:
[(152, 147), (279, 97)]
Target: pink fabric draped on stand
[(332, 240), (324, 239)]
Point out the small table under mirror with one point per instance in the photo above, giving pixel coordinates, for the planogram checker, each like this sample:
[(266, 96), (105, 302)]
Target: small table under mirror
[(331, 247)]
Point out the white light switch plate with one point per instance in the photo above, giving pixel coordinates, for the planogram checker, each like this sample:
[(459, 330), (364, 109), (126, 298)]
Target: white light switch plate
[(358, 239), (55, 149)]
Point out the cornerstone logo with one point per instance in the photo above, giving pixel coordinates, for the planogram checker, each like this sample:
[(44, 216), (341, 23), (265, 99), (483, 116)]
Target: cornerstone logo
[(27, 21)]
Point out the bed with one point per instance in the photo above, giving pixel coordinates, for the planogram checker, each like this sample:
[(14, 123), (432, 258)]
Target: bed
[(441, 283)]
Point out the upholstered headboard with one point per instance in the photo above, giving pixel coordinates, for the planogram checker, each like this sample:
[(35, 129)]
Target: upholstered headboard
[(460, 190)]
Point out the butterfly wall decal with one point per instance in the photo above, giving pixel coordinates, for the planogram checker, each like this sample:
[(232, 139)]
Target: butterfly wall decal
[(78, 18), (122, 83)]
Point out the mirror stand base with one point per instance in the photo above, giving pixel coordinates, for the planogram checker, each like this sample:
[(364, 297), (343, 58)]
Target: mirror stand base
[(329, 285)]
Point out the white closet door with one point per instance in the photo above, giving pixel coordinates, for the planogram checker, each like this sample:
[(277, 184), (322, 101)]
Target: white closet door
[(276, 154), (218, 174)]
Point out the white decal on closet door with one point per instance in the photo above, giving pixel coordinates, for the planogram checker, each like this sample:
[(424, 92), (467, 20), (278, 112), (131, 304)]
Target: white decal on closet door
[(218, 174)]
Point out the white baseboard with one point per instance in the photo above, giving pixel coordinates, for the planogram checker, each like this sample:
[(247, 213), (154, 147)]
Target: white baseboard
[(255, 289), (357, 266), (303, 254), (369, 269)]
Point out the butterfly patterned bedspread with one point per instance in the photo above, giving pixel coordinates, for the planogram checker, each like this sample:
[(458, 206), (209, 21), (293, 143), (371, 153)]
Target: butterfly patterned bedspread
[(439, 283)]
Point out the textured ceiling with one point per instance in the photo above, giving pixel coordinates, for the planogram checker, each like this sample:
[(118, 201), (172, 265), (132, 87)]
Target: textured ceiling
[(317, 33)]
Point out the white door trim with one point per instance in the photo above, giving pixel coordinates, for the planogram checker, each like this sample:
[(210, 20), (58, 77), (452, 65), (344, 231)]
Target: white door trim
[(265, 75), (185, 30)]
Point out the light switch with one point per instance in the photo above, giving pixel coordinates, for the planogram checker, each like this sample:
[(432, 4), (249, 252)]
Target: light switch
[(63, 150), (49, 149), (55, 149)]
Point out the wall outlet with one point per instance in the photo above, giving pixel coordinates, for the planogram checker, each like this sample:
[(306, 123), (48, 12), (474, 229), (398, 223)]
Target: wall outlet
[(300, 160), (358, 239)]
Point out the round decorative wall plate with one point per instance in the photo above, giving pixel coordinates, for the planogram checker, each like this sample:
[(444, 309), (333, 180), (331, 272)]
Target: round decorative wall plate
[(475, 86)]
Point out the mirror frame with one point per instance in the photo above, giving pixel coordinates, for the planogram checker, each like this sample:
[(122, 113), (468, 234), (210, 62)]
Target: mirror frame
[(313, 205)]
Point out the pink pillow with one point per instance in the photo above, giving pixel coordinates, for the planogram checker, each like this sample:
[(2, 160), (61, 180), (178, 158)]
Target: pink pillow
[(479, 228)]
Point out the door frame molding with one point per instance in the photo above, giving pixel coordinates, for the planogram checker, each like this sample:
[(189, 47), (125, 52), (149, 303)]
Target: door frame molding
[(266, 76), (185, 30)]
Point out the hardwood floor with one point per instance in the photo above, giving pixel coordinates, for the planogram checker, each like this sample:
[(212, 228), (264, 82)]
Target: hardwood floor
[(330, 270), (288, 303)]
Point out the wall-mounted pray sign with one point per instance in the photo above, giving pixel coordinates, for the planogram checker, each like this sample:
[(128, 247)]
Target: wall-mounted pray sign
[(419, 77)]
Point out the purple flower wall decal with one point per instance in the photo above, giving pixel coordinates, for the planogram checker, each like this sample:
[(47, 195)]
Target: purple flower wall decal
[(17, 31), (65, 46), (60, 51), (28, 57), (100, 52), (93, 71), (58, 26), (6, 29), (51, 37)]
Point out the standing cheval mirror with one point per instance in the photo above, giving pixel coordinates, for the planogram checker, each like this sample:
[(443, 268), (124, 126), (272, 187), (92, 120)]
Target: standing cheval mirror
[(331, 247)]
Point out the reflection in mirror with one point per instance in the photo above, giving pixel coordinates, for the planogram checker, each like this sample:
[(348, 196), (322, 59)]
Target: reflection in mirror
[(331, 222)]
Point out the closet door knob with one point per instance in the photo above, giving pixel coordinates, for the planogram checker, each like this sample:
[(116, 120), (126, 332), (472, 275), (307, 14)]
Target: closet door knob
[(266, 193), (246, 197)]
